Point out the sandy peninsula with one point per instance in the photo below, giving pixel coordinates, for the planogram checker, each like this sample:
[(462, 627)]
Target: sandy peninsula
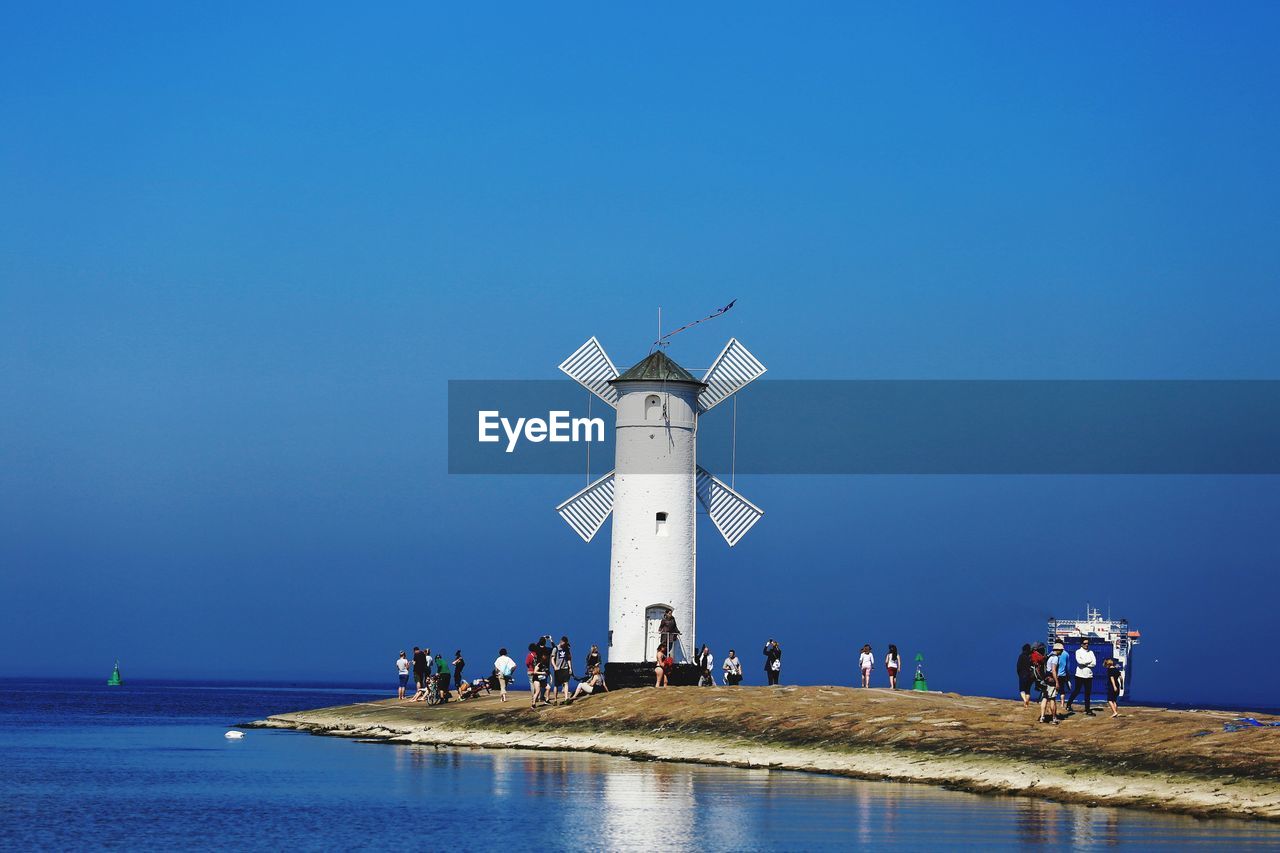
[(1178, 761)]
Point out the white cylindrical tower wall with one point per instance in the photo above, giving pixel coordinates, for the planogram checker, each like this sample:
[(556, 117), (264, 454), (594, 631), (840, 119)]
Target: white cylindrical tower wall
[(653, 557)]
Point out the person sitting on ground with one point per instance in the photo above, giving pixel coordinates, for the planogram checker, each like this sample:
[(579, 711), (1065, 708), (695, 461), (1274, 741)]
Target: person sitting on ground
[(732, 669), (660, 667), (593, 659), (593, 682)]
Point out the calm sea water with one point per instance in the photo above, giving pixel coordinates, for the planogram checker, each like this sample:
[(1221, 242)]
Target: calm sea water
[(146, 766)]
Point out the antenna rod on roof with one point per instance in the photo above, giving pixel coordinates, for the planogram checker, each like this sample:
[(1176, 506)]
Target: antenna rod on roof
[(662, 339)]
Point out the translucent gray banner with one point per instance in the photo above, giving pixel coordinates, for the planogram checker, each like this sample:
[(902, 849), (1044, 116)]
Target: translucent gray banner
[(898, 427)]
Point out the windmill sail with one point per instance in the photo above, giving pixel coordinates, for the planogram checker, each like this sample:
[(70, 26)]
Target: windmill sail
[(586, 511), (732, 369), (591, 368), (732, 514)]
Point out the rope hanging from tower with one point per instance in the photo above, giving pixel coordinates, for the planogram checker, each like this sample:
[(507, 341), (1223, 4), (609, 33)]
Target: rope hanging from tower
[(663, 339)]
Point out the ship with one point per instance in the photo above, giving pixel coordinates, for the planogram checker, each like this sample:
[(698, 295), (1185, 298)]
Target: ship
[(1108, 638)]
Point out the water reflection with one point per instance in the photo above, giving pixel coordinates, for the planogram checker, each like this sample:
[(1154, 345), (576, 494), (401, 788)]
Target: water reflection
[(610, 803)]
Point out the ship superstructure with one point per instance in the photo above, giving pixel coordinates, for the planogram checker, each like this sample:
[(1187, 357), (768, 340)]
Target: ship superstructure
[(1108, 638)]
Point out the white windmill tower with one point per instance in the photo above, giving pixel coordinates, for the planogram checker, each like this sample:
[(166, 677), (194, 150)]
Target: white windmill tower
[(652, 492)]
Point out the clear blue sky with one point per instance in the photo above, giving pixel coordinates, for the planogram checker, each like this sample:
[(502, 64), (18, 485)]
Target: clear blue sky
[(242, 251)]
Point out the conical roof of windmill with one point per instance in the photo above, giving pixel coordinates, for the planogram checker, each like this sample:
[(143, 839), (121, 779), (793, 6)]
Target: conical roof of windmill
[(657, 367)]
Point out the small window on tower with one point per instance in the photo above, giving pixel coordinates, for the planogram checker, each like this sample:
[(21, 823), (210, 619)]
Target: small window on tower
[(653, 408), (662, 524)]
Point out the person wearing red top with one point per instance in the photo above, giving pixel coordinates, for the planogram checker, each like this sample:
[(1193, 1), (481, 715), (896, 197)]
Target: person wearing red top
[(537, 675)]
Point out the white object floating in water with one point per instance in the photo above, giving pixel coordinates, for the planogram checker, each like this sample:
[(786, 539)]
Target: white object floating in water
[(235, 735)]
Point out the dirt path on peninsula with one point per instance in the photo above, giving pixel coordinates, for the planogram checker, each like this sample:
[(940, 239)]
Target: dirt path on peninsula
[(1151, 758)]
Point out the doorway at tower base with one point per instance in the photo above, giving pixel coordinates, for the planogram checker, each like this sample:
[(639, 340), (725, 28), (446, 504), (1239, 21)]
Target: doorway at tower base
[(620, 676)]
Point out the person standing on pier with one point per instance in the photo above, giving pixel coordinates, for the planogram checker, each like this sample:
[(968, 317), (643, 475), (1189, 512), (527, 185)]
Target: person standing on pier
[(706, 676), (1064, 677), (668, 633), (458, 664), (442, 677), (732, 669), (893, 664), (1024, 675), (537, 675), (503, 668), (421, 666), (402, 669), (660, 667), (772, 661), (562, 663), (1113, 685), (1086, 660), (866, 660), (1047, 676)]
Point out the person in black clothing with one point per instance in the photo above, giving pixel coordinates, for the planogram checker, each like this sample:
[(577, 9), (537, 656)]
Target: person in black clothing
[(772, 660), (668, 633), (543, 651), (1024, 675), (420, 667), (593, 659), (1114, 675), (458, 664)]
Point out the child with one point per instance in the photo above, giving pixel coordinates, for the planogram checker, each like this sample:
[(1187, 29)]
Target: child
[(1113, 685)]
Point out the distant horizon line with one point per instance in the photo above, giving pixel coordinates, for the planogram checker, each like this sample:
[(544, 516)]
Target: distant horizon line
[(381, 686)]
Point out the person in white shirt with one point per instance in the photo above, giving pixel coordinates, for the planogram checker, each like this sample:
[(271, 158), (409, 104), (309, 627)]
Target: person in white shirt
[(706, 660), (893, 663), (732, 667), (504, 666), (1086, 660), (866, 661), (402, 669)]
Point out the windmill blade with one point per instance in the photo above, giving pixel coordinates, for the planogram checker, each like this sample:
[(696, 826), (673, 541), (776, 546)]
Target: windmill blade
[(728, 374), (732, 514), (591, 368), (586, 511)]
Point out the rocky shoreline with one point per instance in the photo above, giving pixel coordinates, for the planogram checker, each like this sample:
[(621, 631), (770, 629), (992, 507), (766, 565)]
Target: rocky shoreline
[(1180, 761)]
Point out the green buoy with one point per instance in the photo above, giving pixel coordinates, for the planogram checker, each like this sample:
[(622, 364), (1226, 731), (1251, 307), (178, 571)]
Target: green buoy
[(920, 683), (115, 680)]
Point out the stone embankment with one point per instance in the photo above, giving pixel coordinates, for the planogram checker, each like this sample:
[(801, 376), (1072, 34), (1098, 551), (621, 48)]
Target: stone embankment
[(1179, 761)]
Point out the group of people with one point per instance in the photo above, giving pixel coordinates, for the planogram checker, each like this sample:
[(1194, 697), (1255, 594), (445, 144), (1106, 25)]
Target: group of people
[(550, 669), (428, 672), (705, 661), (892, 664), (1049, 672)]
